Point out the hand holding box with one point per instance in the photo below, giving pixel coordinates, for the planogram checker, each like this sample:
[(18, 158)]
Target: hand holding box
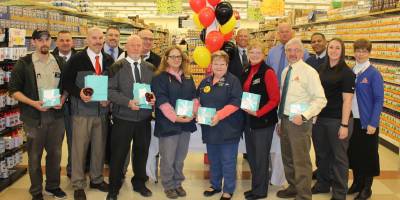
[(250, 101), (184, 108), (99, 84), (205, 115)]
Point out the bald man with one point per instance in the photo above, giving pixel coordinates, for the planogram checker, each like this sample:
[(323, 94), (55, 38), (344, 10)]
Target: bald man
[(148, 55), (276, 56), (131, 123), (88, 117)]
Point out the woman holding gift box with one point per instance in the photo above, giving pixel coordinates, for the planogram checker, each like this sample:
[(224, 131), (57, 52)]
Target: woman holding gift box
[(366, 108), (222, 91), (260, 79), (173, 82), (331, 129)]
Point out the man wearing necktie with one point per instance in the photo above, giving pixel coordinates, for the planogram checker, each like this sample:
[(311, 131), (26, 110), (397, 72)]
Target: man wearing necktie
[(302, 98), (239, 61), (111, 44), (89, 123), (131, 123), (64, 49)]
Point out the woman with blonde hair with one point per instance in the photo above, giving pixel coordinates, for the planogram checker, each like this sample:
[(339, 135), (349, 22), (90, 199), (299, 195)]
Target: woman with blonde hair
[(173, 81)]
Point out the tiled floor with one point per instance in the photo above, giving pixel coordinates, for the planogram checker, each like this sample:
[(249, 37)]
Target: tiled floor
[(385, 187)]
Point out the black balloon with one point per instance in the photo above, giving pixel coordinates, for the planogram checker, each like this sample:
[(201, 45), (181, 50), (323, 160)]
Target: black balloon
[(203, 35), (223, 12), (229, 48)]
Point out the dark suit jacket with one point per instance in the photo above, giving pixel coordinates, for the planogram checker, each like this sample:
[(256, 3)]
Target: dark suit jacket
[(56, 51), (154, 59), (316, 64), (235, 65)]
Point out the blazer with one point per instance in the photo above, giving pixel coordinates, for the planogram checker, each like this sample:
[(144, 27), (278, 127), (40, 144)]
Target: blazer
[(235, 66)]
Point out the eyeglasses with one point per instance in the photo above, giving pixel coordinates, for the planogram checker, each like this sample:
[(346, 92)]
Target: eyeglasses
[(175, 57)]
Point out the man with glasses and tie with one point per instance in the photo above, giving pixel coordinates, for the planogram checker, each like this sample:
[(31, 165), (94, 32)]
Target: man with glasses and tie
[(88, 117), (302, 98), (131, 123), (111, 43), (64, 49)]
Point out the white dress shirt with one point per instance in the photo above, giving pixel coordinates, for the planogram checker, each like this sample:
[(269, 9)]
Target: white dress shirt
[(68, 56), (92, 55), (131, 61)]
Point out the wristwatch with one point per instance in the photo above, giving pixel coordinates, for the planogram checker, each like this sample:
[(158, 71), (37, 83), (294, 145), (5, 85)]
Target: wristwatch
[(344, 125)]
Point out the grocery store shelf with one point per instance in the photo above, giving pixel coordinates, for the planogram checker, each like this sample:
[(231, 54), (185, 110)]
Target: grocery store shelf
[(19, 172), (353, 18)]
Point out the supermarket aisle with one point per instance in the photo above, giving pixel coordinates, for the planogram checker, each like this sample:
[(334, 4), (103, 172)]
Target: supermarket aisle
[(385, 187)]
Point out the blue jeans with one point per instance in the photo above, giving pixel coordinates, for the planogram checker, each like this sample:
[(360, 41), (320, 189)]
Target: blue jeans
[(223, 159)]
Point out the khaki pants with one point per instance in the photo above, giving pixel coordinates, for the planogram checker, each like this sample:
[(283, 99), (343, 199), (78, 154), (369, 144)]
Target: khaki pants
[(295, 144), (85, 130)]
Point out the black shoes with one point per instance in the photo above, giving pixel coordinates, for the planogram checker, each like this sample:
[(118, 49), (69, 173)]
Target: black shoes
[(247, 193), (103, 186), (111, 197), (56, 193), (79, 195), (286, 193), (209, 193), (366, 191), (314, 175), (226, 198), (144, 191), (354, 188), (37, 196), (254, 197), (319, 190)]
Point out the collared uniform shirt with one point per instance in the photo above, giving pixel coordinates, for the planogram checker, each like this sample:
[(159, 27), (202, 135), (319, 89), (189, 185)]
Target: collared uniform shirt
[(92, 56), (131, 61), (48, 73), (304, 87)]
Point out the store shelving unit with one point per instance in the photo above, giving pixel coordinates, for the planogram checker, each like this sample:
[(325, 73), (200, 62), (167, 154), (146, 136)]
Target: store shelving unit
[(193, 40)]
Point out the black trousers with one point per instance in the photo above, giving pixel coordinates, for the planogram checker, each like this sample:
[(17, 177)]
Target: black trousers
[(258, 146), (123, 133)]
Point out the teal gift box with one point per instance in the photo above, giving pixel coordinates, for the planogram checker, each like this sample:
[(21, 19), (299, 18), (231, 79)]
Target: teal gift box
[(205, 115), (250, 101), (139, 94), (184, 108), (99, 84), (50, 97), (297, 109)]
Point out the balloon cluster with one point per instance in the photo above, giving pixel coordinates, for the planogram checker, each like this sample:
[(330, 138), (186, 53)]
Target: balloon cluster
[(207, 15)]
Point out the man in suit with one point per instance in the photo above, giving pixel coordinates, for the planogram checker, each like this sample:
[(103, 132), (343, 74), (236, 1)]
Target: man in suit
[(148, 55), (111, 44), (88, 118), (64, 49), (131, 123), (318, 43), (240, 59)]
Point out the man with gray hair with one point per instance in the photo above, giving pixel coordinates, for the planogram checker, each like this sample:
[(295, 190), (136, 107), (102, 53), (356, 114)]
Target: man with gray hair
[(131, 123), (88, 117), (302, 98)]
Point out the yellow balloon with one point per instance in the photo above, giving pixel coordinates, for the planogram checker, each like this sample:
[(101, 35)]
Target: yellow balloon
[(229, 26), (202, 56), (197, 21)]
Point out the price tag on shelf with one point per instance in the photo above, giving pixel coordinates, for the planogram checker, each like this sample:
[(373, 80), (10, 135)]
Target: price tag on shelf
[(16, 37)]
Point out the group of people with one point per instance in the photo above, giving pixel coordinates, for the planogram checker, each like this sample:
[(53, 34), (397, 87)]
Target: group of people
[(301, 97)]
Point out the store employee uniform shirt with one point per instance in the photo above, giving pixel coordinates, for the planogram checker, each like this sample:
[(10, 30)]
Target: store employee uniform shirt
[(48, 73)]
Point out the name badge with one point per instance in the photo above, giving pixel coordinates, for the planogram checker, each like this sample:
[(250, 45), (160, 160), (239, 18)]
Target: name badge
[(257, 81)]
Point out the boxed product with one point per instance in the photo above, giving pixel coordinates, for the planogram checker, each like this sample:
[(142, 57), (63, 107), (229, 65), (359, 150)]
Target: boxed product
[(205, 115), (250, 101), (297, 109), (99, 84), (50, 97), (139, 94), (184, 108)]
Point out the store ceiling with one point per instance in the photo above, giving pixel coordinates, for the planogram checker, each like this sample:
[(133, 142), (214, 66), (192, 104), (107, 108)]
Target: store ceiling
[(148, 9)]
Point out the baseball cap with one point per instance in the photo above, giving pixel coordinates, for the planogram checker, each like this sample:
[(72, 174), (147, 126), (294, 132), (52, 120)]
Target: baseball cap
[(37, 34)]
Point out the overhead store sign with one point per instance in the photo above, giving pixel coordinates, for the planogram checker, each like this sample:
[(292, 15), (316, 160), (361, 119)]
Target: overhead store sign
[(169, 7), (273, 8)]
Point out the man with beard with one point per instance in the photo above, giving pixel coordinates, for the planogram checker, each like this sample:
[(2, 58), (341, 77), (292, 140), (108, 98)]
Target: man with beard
[(44, 126), (111, 44), (88, 117), (64, 49)]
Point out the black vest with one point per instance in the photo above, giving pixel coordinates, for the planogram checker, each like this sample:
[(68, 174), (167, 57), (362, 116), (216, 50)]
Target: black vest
[(258, 86)]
